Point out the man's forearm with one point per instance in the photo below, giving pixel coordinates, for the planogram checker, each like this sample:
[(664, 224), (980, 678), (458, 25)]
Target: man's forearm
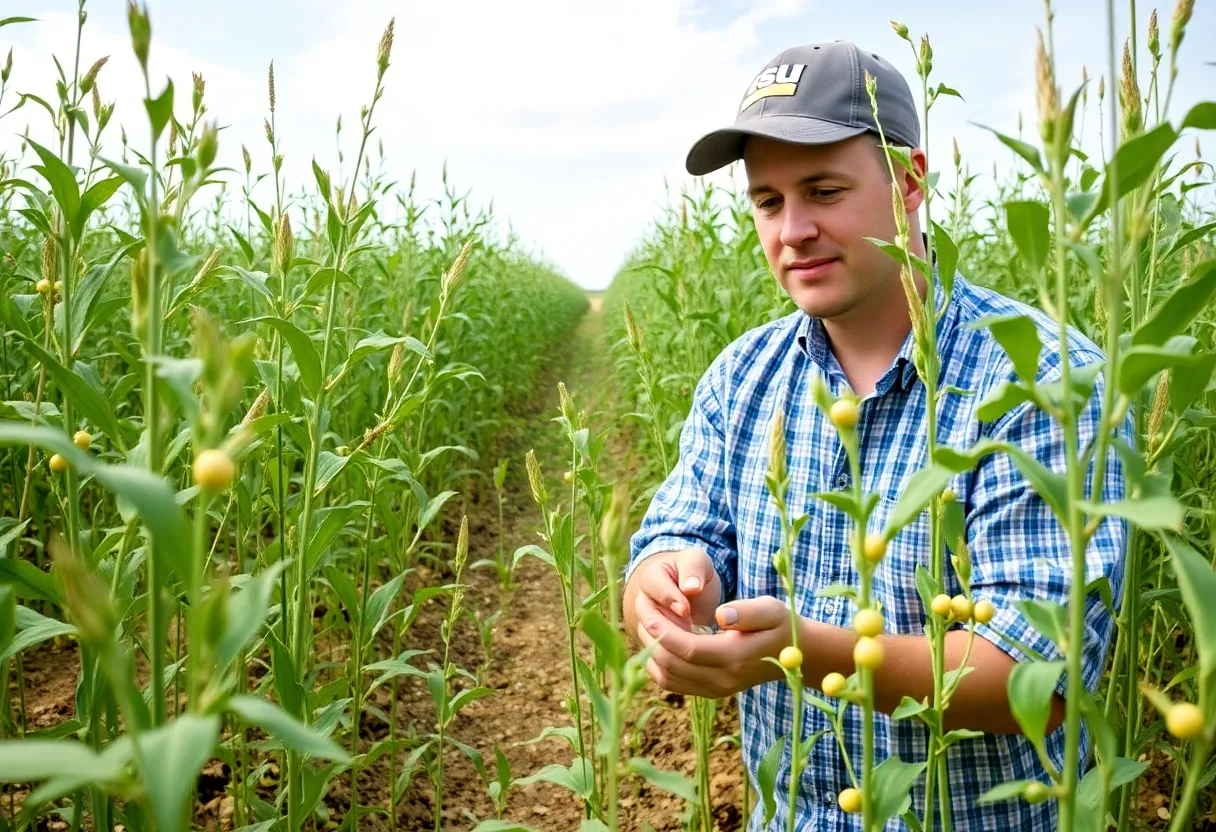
[(980, 702)]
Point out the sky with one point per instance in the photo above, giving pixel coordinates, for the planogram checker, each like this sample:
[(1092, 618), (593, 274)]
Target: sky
[(573, 116)]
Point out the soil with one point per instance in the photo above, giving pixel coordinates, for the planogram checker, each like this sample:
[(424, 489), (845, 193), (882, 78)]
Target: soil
[(528, 666)]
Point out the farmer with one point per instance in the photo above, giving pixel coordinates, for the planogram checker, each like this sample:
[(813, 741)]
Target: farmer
[(819, 186)]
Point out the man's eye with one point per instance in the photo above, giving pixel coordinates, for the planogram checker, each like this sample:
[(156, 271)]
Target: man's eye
[(827, 193), (768, 204)]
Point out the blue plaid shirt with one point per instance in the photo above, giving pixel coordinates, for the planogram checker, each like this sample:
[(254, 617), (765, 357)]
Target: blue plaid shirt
[(715, 499)]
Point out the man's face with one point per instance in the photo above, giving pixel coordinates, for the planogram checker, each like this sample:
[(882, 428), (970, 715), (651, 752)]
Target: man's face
[(813, 207)]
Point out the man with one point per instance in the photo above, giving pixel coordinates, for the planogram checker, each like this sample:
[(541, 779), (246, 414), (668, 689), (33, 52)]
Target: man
[(819, 186)]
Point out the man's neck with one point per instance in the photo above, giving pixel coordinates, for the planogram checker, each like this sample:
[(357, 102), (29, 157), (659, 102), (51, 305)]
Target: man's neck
[(866, 339)]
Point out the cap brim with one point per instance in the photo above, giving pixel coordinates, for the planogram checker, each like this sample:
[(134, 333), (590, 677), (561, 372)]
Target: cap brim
[(722, 147)]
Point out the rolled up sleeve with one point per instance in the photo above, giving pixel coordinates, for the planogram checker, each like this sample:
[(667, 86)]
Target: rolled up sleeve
[(690, 508)]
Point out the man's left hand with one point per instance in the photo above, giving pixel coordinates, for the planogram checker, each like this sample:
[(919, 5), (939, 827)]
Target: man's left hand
[(726, 662)]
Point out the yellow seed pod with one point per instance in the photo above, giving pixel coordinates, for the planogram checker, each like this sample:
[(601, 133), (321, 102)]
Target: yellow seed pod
[(214, 469), (790, 658), (875, 547), (43, 286), (844, 414), (868, 653), (983, 612), (1184, 721), (834, 684), (1036, 792), (869, 623), (941, 605), (58, 463), (568, 477), (82, 439), (850, 801), (961, 606)]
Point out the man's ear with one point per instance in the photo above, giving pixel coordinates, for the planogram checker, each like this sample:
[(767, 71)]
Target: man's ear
[(913, 195)]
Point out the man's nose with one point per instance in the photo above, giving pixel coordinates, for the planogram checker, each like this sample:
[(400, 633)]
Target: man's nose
[(799, 226)]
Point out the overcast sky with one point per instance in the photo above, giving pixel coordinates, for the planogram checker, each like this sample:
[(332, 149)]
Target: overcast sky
[(568, 114)]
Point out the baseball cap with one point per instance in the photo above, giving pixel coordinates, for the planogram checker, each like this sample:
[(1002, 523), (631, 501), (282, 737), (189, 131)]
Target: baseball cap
[(813, 94)]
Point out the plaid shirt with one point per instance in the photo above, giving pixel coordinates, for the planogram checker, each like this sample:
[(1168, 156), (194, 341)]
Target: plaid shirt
[(715, 499)]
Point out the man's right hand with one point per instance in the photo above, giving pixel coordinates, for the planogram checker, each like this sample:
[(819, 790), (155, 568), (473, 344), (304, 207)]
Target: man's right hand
[(681, 587)]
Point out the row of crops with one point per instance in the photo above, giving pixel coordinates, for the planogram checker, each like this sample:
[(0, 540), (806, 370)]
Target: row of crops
[(1119, 247)]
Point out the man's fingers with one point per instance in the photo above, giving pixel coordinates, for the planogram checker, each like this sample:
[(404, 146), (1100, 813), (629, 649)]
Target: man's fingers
[(694, 571), (674, 674), (752, 614), (658, 581), (654, 618)]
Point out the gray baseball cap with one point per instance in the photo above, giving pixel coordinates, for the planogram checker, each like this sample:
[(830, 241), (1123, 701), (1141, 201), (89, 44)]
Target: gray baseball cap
[(813, 94)]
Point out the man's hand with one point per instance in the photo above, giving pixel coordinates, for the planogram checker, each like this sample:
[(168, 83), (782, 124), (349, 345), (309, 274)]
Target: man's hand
[(673, 588), (727, 662)]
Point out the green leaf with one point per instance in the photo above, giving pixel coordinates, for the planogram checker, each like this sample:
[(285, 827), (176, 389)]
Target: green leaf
[(170, 759), (160, 110), (91, 404), (608, 642), (322, 279), (921, 488), (61, 179), (668, 781), (284, 671), (892, 782), (1027, 151), (1202, 117), (1174, 313), (1197, 233), (33, 628), (254, 280), (302, 350), (25, 761), (1005, 791), (293, 734), (1002, 399), (466, 697), (909, 708), (947, 257), (496, 825), (95, 197), (1048, 617), (1134, 162), (578, 777), (533, 551), (28, 581), (1019, 337), (379, 604), (247, 611), (1197, 582), (1139, 364), (1031, 691), (766, 778), (1029, 226), (1189, 381), (1149, 513), (1049, 485)]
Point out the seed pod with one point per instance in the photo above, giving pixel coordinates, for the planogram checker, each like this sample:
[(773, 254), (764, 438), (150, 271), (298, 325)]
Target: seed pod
[(1182, 16), (1101, 88), (957, 156), (536, 480), (1154, 37), (926, 56), (208, 145), (284, 246), (172, 136), (395, 363), (90, 77), (1129, 96), (258, 407), (453, 276), (777, 452), (270, 87), (8, 67), (199, 87), (1084, 85), (632, 331), (385, 49), (900, 29), (141, 32), (834, 684), (96, 101), (790, 658), (269, 131), (247, 160), (1048, 96), (50, 261)]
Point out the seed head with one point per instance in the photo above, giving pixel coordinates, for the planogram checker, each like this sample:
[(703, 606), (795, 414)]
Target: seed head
[(536, 480), (614, 528), (900, 29), (926, 56), (1129, 96), (245, 157), (1101, 88), (453, 276), (1048, 96), (777, 451), (8, 67), (208, 146), (50, 261), (141, 32), (258, 407), (462, 546), (395, 363), (90, 77), (1084, 85), (199, 86), (96, 97), (632, 331), (1182, 16), (567, 403), (1161, 403), (385, 49), (172, 135), (269, 131), (957, 156), (270, 85), (1154, 37), (284, 245)]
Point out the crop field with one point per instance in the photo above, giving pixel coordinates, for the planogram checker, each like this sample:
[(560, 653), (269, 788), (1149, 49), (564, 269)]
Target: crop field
[(316, 501)]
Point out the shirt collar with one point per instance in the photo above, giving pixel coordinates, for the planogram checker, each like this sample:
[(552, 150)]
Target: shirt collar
[(813, 341)]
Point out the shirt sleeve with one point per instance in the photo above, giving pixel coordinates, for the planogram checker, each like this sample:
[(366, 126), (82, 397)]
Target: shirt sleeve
[(1020, 550), (690, 510)]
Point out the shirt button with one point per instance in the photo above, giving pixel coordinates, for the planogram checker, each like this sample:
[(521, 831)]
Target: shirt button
[(842, 481), (831, 605), (830, 797)]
